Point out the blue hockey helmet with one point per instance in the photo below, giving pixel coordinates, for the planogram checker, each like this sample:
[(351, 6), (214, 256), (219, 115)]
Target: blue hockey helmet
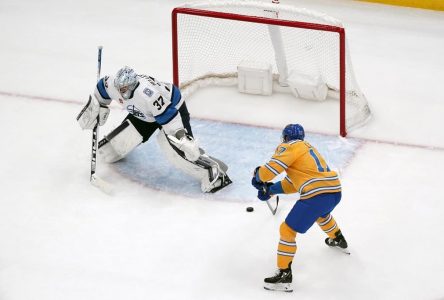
[(293, 132)]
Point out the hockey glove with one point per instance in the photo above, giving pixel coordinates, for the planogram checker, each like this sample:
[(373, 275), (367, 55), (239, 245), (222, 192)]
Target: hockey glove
[(87, 118), (256, 182), (264, 193)]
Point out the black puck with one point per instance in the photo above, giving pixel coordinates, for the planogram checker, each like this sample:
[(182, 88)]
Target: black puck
[(250, 209)]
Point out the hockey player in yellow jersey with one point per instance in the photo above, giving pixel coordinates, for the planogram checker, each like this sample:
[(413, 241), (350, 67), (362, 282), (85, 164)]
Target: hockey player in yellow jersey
[(308, 174)]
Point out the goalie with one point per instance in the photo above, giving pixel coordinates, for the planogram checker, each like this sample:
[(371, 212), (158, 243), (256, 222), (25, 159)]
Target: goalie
[(151, 105)]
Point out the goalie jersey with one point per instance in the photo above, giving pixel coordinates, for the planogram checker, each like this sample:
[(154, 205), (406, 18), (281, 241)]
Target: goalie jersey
[(307, 171), (151, 101)]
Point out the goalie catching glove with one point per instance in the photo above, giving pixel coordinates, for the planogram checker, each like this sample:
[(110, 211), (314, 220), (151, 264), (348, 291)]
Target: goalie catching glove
[(87, 118), (186, 144)]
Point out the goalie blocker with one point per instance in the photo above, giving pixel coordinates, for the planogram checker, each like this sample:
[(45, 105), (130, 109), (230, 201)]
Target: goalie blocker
[(123, 139)]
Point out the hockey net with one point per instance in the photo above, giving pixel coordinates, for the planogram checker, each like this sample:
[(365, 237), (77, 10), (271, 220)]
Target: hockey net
[(210, 39)]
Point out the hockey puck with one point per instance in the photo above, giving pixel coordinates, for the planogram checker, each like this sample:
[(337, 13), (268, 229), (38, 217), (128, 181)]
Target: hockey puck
[(250, 209)]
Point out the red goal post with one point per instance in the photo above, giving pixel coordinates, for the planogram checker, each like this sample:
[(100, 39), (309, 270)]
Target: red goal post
[(188, 21)]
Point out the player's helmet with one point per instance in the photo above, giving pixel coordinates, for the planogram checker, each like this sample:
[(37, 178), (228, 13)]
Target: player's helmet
[(293, 132), (125, 81)]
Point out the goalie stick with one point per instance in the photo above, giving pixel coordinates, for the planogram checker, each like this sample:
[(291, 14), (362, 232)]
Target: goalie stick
[(97, 181)]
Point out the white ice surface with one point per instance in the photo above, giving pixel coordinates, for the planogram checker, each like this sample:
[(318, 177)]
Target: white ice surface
[(61, 238)]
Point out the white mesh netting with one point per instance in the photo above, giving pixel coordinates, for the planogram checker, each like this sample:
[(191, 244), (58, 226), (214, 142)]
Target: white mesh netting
[(210, 49)]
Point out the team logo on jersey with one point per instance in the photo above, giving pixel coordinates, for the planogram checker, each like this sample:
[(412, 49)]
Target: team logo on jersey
[(280, 150), (135, 112), (148, 92)]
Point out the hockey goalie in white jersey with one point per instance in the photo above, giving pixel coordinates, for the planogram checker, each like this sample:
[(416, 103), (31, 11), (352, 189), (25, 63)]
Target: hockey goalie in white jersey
[(151, 105)]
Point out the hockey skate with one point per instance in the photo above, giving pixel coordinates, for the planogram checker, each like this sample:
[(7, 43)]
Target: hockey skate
[(280, 282), (338, 242)]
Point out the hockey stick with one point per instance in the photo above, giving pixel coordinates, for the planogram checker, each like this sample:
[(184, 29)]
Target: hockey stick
[(273, 210), (97, 181)]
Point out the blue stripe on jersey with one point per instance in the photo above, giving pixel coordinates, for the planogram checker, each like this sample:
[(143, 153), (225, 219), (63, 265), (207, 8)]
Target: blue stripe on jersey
[(166, 116), (171, 111), (318, 163), (102, 90), (175, 96)]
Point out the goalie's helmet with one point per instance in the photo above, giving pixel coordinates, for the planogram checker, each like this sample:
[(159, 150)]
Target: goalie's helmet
[(293, 132), (126, 81)]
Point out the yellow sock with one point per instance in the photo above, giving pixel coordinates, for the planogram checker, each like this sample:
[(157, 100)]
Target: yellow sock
[(328, 225), (287, 246)]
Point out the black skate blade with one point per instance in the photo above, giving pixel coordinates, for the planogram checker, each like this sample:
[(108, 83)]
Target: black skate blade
[(343, 250), (278, 287)]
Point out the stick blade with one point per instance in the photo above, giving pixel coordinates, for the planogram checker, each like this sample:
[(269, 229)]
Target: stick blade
[(101, 184)]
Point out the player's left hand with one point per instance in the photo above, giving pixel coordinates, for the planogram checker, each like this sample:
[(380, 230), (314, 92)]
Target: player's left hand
[(264, 193), (256, 183)]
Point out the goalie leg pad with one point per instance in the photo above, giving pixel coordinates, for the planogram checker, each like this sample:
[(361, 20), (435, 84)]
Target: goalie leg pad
[(208, 171), (185, 144), (119, 142)]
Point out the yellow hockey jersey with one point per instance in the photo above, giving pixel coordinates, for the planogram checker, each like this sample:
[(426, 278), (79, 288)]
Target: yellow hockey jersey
[(307, 171)]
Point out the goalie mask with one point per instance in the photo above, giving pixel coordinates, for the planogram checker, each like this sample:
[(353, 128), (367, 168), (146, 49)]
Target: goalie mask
[(125, 81), (293, 132)]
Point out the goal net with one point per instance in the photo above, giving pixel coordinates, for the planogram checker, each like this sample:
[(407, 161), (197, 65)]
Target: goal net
[(297, 50)]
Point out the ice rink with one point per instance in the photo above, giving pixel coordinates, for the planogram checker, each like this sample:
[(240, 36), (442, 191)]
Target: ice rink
[(157, 236)]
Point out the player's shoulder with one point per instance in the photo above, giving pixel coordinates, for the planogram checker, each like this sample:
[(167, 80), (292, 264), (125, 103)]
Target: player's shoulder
[(293, 144), (147, 80), (106, 89), (146, 90), (106, 82), (289, 146)]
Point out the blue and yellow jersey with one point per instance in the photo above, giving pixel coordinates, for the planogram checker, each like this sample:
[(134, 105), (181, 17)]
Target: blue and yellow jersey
[(307, 171)]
